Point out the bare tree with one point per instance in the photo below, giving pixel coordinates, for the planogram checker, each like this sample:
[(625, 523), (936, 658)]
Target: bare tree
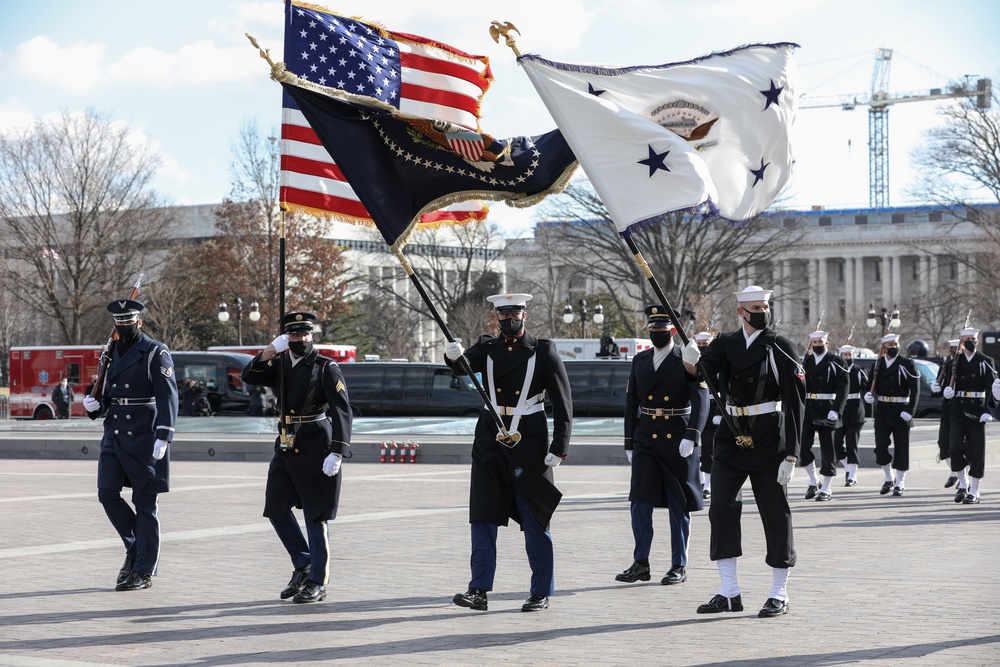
[(13, 324), (79, 216)]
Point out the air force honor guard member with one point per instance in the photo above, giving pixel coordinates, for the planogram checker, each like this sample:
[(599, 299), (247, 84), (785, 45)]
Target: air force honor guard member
[(897, 388), (139, 406), (515, 481), (305, 470), (974, 376), (665, 413), (826, 395), (765, 392)]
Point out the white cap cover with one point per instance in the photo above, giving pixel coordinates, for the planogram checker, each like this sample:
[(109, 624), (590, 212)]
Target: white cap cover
[(753, 293)]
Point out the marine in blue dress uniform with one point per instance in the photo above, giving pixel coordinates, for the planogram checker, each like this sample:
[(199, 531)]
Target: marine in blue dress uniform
[(974, 376), (305, 470), (515, 482), (764, 399), (826, 395), (665, 413), (139, 406), (848, 434), (894, 402)]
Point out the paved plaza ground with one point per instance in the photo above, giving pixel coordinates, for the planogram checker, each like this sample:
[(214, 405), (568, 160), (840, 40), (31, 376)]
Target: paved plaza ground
[(880, 580)]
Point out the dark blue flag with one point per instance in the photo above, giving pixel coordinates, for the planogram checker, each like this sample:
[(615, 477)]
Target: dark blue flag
[(401, 166)]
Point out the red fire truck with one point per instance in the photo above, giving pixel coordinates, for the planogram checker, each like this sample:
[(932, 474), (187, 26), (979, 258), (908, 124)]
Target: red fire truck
[(342, 354), (35, 371)]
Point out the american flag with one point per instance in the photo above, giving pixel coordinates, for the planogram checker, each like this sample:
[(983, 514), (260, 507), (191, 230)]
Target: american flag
[(414, 74)]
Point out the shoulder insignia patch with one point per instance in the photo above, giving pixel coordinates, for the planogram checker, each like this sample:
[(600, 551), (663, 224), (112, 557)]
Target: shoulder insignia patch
[(167, 372), (340, 386), (518, 472)]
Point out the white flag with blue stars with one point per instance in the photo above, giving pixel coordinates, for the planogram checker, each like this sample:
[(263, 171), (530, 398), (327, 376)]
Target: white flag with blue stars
[(709, 135)]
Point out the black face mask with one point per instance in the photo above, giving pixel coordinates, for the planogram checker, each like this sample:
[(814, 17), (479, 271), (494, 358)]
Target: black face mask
[(819, 349), (660, 338), (127, 332), (891, 352), (759, 320), (511, 328), (969, 345), (300, 348), (848, 362)]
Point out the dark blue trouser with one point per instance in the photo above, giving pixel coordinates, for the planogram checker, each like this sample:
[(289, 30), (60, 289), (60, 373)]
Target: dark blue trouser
[(139, 529), (680, 529), (315, 554), (537, 544)]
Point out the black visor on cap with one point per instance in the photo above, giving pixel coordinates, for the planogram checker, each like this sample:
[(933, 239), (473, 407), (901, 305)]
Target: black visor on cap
[(658, 323), (510, 310)]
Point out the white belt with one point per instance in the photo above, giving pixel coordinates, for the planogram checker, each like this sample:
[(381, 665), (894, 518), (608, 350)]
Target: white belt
[(510, 411), (852, 397), (970, 394), (752, 410), (894, 399), (821, 397)]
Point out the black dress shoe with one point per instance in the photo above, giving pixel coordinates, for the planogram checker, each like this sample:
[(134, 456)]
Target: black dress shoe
[(897, 491), (971, 500), (823, 496), (851, 482), (773, 607), (126, 570), (135, 582), (676, 575), (721, 603), (311, 592), (635, 572), (296, 583), (951, 482), (961, 494), (886, 487), (474, 599), (535, 603), (811, 492)]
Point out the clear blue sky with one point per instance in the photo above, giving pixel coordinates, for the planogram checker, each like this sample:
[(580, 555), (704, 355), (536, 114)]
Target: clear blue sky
[(181, 73)]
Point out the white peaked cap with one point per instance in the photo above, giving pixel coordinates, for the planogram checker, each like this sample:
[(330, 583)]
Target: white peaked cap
[(846, 348), (890, 338), (508, 300), (969, 332), (704, 335), (753, 293), (818, 334)]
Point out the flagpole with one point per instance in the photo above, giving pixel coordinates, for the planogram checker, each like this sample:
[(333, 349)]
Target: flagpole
[(283, 429), (641, 261), (463, 362)]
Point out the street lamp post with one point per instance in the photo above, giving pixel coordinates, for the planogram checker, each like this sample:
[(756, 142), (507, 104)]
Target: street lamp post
[(569, 316), (254, 315), (883, 317)]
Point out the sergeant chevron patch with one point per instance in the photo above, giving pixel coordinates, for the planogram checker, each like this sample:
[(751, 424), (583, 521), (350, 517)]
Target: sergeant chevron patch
[(340, 386)]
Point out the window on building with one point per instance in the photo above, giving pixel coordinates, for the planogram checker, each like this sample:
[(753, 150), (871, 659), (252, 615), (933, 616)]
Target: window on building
[(861, 219), (916, 269), (934, 216), (825, 221), (840, 270), (842, 308), (954, 271), (788, 222), (898, 218), (878, 272), (805, 310)]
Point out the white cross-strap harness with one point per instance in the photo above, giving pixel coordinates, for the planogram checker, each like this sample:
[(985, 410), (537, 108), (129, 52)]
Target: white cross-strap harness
[(526, 405)]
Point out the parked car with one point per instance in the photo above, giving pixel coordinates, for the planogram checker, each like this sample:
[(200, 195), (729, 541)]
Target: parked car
[(409, 389), (927, 405), (218, 375)]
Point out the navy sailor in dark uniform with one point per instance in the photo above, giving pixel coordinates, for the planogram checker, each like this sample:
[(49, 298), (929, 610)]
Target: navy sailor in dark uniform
[(765, 390), (848, 434), (665, 413), (139, 406), (305, 470), (826, 395), (944, 426), (515, 482), (974, 376), (894, 402)]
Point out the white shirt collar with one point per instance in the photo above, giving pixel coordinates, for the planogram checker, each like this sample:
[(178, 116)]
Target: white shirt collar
[(750, 338)]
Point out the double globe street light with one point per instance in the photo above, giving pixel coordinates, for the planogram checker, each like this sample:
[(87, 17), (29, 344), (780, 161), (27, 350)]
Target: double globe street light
[(254, 315), (569, 316), (883, 317)]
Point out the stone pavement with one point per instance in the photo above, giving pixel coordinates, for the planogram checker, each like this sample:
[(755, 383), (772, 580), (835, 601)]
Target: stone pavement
[(880, 580)]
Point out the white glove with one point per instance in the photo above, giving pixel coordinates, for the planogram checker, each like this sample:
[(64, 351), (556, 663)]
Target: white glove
[(869, 399), (986, 418), (785, 472), (949, 393), (717, 419), (936, 388), (453, 349), (331, 464), (552, 460), (686, 447), (832, 416), (996, 389), (690, 353), (905, 416), (91, 404), (159, 449), (628, 455), (280, 343)]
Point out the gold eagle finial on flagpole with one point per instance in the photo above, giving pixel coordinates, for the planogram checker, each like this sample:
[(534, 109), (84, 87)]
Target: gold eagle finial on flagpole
[(276, 69), (497, 29)]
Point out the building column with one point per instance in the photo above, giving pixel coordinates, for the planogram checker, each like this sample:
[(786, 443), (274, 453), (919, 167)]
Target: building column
[(886, 280), (933, 273), (849, 295), (860, 295), (812, 277), (897, 279), (822, 300)]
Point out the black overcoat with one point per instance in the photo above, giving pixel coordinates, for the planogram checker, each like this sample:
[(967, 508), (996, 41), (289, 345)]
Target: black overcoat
[(826, 376), (973, 375), (901, 378), (854, 408)]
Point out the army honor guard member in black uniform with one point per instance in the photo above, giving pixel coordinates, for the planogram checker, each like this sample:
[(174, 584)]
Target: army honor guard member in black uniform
[(139, 406), (974, 378), (513, 480), (894, 402), (944, 427), (665, 412), (702, 339), (848, 434), (765, 389), (305, 469), (826, 395)]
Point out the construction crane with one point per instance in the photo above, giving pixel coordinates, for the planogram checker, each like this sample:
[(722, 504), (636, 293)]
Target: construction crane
[(878, 101)]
